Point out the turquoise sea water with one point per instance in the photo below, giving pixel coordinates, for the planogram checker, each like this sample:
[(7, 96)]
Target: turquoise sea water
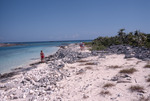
[(22, 55)]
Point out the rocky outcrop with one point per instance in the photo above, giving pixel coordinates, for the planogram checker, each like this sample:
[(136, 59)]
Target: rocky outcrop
[(68, 54), (130, 51)]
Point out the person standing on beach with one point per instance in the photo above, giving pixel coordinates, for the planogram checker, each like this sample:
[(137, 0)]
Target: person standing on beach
[(42, 56), (81, 45)]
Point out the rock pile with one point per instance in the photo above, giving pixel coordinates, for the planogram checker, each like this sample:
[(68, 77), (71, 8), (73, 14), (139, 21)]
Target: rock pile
[(130, 51), (69, 54)]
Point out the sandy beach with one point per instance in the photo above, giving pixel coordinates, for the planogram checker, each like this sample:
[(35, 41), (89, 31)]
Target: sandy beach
[(78, 75)]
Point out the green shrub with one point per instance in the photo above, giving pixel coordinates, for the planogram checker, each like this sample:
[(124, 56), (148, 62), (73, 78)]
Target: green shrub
[(100, 47), (136, 38)]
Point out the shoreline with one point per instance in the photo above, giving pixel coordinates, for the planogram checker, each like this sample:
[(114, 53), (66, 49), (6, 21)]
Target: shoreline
[(72, 74), (27, 62), (14, 71), (9, 44)]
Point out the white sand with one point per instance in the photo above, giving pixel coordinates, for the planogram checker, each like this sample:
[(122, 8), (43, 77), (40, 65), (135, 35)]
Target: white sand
[(88, 85), (85, 82)]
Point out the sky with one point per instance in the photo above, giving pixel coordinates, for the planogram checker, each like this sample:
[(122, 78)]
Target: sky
[(54, 20)]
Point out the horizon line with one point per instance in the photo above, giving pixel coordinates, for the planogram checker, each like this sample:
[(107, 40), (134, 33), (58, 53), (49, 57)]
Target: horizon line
[(49, 41)]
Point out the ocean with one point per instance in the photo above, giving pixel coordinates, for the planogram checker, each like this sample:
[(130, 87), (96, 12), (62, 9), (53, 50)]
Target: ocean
[(28, 52)]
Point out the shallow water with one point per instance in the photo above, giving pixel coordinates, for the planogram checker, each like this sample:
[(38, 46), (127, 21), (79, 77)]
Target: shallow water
[(17, 56), (22, 55)]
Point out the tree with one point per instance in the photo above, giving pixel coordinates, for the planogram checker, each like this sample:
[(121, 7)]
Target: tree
[(122, 35), (129, 38)]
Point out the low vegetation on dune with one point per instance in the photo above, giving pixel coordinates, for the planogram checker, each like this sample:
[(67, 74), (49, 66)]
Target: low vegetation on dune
[(82, 61), (136, 88), (108, 85), (88, 68), (136, 38), (128, 71), (114, 67), (147, 66), (105, 93), (90, 63), (148, 79), (85, 96)]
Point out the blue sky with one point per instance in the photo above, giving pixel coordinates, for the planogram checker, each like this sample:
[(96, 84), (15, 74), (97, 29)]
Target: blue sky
[(51, 20)]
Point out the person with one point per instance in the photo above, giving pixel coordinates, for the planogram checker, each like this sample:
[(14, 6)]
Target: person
[(81, 45), (42, 56)]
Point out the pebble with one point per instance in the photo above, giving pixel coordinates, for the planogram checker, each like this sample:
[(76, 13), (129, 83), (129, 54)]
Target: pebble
[(31, 91)]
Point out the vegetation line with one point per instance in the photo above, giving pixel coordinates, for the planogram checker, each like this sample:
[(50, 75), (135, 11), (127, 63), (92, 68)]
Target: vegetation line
[(137, 39)]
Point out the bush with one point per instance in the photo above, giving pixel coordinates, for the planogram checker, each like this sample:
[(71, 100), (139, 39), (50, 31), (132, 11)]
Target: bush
[(136, 88), (137, 39), (105, 93), (147, 66), (96, 47), (90, 63), (108, 85), (128, 71), (114, 67)]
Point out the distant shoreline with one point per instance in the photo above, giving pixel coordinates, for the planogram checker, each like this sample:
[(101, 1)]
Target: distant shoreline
[(44, 41), (8, 44)]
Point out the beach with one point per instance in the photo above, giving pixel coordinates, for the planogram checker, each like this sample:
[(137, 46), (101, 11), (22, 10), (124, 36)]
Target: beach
[(72, 74)]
